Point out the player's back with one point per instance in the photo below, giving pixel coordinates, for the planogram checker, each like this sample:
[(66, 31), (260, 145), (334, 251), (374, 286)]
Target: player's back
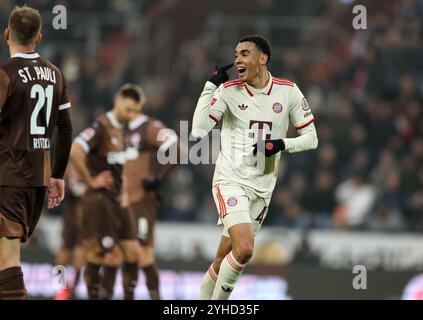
[(36, 93)]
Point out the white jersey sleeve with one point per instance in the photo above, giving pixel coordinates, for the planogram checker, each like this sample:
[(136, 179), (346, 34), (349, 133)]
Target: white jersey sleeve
[(302, 118), (210, 110)]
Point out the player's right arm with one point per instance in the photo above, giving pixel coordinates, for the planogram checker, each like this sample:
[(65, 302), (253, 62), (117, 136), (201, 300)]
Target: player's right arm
[(88, 140), (211, 106), (4, 87), (209, 111)]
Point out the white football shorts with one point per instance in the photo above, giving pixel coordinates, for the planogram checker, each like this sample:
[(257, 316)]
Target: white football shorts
[(238, 204)]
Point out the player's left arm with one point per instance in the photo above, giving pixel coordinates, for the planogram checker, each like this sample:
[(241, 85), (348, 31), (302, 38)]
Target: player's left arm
[(64, 135), (63, 143), (302, 118), (56, 188)]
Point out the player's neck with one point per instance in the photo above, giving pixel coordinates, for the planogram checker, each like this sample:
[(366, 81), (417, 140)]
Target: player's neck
[(16, 48), (261, 80), (114, 114)]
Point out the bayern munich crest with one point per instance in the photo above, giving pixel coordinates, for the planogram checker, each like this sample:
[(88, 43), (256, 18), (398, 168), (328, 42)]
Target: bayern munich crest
[(277, 107), (232, 202)]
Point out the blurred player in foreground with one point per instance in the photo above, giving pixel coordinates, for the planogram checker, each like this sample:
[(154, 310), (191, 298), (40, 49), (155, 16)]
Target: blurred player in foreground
[(71, 249), (98, 155), (255, 112), (33, 101), (147, 138)]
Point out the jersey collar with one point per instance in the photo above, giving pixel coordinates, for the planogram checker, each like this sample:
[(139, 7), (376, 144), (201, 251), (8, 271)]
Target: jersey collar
[(113, 120), (266, 90), (137, 122), (33, 55)]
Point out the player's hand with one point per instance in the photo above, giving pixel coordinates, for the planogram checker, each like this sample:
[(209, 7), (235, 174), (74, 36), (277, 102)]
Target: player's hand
[(269, 147), (55, 192), (151, 184), (104, 180), (219, 75)]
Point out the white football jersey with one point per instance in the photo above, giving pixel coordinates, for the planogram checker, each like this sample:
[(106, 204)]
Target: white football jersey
[(249, 115)]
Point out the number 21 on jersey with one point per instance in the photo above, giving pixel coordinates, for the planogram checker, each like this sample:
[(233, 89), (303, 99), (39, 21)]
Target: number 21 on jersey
[(44, 97)]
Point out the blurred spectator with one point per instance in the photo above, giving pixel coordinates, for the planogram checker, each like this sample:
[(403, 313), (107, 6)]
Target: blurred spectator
[(319, 201), (387, 213), (181, 195), (285, 210), (355, 198), (386, 167), (385, 219)]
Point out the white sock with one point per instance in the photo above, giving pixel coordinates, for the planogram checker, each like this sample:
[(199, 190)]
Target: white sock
[(229, 272), (207, 284)]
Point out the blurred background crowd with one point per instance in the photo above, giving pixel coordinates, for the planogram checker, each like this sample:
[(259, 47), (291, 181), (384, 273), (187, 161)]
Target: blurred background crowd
[(365, 88)]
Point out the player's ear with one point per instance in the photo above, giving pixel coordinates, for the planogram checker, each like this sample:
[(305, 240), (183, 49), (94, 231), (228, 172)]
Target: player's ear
[(6, 34), (263, 59), (38, 39)]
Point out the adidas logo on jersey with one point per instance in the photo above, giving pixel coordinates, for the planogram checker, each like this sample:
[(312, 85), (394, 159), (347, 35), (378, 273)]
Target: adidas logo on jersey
[(227, 289), (243, 107)]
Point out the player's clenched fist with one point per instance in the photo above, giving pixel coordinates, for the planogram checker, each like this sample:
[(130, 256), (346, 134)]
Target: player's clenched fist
[(269, 147), (219, 75)]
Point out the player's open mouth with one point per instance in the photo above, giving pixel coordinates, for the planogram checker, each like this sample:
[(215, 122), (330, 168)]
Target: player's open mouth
[(241, 70)]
